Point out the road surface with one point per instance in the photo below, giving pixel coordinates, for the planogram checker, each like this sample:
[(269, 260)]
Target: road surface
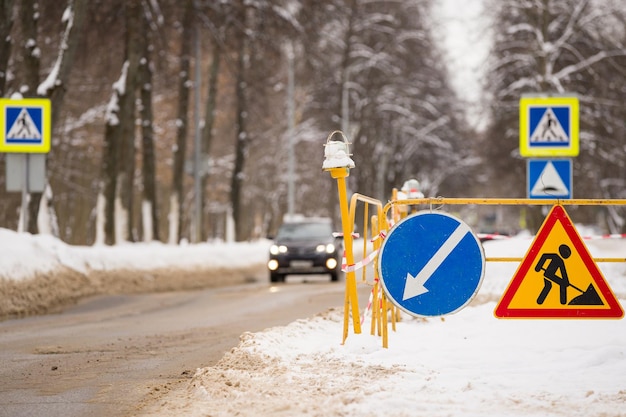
[(114, 355)]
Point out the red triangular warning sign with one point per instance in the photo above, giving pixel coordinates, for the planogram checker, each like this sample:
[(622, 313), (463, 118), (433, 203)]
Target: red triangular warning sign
[(558, 278)]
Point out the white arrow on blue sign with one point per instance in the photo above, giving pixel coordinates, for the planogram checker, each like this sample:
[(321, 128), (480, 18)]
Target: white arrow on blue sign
[(431, 264)]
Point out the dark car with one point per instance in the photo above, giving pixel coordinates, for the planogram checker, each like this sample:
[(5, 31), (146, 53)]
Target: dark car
[(306, 246)]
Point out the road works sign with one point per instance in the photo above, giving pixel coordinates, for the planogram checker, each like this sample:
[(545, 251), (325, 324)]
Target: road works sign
[(548, 126), (549, 178), (431, 264), (558, 278), (25, 125)]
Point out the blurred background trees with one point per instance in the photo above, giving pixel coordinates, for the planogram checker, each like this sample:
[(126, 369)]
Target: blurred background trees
[(557, 47), (167, 100)]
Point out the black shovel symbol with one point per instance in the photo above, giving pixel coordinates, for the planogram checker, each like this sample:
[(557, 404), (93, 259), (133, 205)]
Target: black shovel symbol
[(589, 297)]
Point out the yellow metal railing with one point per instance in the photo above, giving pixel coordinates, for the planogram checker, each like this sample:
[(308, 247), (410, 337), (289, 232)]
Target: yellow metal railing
[(436, 202), (439, 201), (379, 305)]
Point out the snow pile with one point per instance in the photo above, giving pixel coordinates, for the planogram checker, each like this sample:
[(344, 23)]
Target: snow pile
[(26, 256), (40, 274), (465, 364)]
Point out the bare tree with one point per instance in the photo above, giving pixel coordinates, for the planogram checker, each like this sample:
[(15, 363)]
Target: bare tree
[(379, 72), (241, 138), (6, 23), (114, 206), (31, 53), (54, 87), (209, 120), (29, 17), (180, 149), (105, 207), (149, 212), (125, 174)]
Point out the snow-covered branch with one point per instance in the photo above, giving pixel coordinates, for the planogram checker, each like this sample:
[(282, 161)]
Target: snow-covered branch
[(52, 81), (586, 63)]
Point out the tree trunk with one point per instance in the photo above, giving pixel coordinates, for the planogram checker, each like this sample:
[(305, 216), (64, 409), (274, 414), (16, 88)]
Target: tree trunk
[(30, 52), (241, 141), (176, 197), (6, 23), (125, 177), (149, 214), (54, 87), (105, 210), (209, 121)]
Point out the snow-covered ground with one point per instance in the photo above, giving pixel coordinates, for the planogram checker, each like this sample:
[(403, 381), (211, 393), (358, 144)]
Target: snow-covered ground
[(466, 364)]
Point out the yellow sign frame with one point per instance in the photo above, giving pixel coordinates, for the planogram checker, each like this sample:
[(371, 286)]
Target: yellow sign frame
[(525, 133), (43, 105)]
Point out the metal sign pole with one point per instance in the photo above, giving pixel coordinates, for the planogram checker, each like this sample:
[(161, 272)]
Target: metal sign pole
[(24, 209)]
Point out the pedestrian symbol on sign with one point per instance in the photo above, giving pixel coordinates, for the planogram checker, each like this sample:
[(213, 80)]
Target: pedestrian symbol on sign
[(24, 128), (548, 129)]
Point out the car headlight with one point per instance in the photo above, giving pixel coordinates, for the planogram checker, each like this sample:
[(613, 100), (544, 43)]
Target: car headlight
[(329, 248), (276, 249), (272, 265)]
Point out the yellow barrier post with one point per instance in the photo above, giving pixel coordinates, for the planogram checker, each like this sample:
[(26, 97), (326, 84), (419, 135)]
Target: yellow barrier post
[(375, 288), (338, 162), (383, 305), (375, 310)]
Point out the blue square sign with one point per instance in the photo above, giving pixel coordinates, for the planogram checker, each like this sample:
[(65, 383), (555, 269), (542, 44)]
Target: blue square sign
[(549, 178)]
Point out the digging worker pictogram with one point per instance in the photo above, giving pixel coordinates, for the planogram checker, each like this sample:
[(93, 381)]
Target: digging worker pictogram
[(553, 267), (555, 272)]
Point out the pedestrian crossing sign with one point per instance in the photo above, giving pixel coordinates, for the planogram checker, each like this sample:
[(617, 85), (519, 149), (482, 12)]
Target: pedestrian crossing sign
[(548, 126), (558, 278), (25, 125)]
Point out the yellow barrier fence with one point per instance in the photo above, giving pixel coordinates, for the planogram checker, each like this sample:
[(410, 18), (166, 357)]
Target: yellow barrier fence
[(338, 163)]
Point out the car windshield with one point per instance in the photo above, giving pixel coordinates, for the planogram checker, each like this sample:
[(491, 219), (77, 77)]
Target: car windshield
[(295, 231)]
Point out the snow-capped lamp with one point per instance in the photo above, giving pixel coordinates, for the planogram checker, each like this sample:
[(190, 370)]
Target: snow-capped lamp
[(411, 188), (337, 153), (337, 162)]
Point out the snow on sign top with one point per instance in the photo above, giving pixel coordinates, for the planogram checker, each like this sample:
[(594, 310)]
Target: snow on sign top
[(549, 126), (25, 125)]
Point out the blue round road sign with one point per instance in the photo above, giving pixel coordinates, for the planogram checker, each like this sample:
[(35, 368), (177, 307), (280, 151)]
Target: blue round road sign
[(431, 264)]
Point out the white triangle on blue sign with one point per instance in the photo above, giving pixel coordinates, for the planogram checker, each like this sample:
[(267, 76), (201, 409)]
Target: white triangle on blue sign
[(549, 183), (24, 127), (549, 129)]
